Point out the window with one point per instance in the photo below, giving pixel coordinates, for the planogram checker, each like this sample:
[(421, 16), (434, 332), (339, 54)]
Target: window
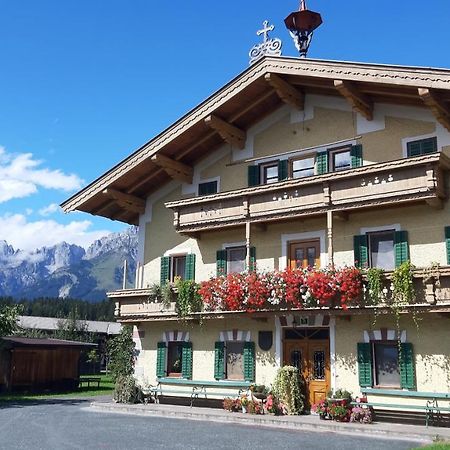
[(381, 249), (207, 188), (386, 364), (269, 172), (174, 359), (177, 267), (236, 259), (421, 147), (303, 167), (234, 360), (340, 159), (181, 265)]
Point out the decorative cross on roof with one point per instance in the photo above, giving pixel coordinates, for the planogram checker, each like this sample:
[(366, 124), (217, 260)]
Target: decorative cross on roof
[(265, 30), (270, 47)]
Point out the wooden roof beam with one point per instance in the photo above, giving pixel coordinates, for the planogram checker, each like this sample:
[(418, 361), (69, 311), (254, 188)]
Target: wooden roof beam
[(228, 132), (175, 169), (286, 91), (359, 102), (126, 201), (436, 105)]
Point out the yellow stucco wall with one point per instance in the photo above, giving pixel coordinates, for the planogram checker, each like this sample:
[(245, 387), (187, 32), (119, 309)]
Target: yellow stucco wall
[(426, 237), (203, 339), (430, 345), (429, 340)]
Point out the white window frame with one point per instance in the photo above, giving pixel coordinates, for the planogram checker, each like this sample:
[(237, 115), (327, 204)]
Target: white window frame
[(367, 230)]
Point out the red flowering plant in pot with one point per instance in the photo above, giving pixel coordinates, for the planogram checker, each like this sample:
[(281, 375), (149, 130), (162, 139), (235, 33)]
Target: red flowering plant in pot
[(256, 292), (349, 282), (322, 285), (296, 290)]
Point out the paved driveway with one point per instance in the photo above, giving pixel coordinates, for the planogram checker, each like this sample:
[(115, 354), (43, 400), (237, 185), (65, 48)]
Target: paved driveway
[(66, 424)]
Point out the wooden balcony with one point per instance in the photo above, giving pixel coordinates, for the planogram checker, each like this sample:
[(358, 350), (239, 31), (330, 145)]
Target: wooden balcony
[(431, 287), (401, 181)]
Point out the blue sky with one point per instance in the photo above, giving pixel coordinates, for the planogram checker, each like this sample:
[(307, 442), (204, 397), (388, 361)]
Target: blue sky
[(84, 83)]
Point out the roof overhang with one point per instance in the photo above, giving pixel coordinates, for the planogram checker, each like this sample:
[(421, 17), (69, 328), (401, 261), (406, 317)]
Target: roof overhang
[(120, 193)]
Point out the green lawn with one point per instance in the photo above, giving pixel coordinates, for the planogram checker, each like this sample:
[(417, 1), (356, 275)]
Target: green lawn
[(106, 388), (436, 446)]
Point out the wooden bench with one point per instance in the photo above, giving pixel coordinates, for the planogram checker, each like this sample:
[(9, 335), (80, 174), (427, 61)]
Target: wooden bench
[(89, 380), (195, 388), (431, 407)]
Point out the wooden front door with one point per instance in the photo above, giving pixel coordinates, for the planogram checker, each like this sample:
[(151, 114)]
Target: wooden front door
[(304, 254), (312, 358)]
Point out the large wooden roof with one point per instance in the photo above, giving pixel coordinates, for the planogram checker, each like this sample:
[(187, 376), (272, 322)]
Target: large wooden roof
[(120, 193)]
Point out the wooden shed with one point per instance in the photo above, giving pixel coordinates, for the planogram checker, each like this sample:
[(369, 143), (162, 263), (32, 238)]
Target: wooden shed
[(38, 364)]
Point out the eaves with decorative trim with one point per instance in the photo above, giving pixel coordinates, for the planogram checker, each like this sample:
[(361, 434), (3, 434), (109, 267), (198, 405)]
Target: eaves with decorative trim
[(241, 103)]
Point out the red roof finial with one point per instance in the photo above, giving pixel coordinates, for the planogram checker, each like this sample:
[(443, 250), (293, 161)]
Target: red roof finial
[(303, 5)]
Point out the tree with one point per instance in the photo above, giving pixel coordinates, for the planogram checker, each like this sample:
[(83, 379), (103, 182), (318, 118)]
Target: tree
[(121, 354), (8, 319)]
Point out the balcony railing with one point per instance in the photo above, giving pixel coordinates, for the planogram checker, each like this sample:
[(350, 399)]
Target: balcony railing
[(401, 181), (431, 287)]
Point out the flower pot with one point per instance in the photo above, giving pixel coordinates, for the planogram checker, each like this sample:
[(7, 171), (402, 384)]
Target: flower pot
[(244, 409)]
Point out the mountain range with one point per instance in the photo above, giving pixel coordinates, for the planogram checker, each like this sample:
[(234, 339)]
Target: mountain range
[(68, 270)]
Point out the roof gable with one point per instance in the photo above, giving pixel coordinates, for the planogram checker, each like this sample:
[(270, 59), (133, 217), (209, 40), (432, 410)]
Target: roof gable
[(226, 115)]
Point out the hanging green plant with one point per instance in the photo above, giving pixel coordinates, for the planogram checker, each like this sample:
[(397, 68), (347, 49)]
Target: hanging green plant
[(188, 299), (167, 295), (287, 388), (402, 285), (374, 287)]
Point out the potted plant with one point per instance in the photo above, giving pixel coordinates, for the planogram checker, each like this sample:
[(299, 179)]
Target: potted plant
[(244, 403), (322, 409), (339, 411)]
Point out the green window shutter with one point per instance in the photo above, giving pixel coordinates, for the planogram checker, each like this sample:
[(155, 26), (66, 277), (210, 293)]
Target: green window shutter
[(283, 170), (361, 252), (429, 145), (322, 162), (207, 188), (253, 175), (249, 361), (165, 270), (401, 250), (221, 262), (365, 364), (407, 370), (219, 360), (447, 243), (252, 259), (356, 155), (422, 147), (186, 361), (161, 360), (189, 270)]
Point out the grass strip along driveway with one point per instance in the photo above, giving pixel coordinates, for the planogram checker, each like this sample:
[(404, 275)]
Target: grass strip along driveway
[(106, 388)]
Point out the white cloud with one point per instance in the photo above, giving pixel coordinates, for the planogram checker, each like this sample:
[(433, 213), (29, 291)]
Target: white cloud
[(21, 175), (24, 235), (50, 209)]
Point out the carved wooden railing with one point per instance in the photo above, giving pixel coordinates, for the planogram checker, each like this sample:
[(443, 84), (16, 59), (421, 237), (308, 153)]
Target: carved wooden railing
[(431, 286), (393, 182)]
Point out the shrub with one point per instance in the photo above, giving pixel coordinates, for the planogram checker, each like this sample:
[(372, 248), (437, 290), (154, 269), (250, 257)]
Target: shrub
[(288, 389), (121, 354), (126, 390)]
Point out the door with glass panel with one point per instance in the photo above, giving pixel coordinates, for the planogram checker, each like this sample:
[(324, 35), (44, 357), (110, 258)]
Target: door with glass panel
[(312, 357), (304, 254)]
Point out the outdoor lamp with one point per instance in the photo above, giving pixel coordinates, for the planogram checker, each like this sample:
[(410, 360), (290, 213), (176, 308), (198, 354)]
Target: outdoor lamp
[(301, 25)]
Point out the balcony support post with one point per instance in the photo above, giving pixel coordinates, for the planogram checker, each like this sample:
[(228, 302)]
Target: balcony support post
[(125, 266), (330, 237), (247, 233), (247, 244)]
